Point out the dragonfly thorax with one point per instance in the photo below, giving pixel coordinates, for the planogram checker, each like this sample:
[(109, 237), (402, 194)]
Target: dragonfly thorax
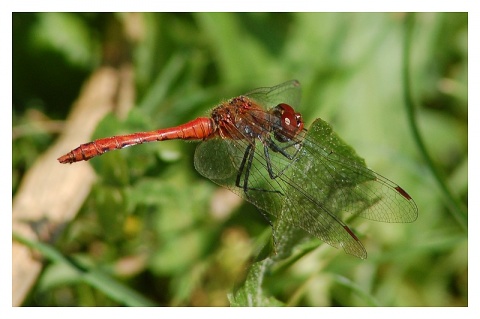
[(241, 118)]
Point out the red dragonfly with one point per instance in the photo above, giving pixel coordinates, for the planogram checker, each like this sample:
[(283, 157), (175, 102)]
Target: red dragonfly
[(256, 146)]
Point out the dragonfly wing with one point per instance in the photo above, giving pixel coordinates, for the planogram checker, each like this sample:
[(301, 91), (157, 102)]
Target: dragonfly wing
[(287, 196), (305, 212), (349, 186), (220, 160), (211, 160), (288, 93), (327, 180)]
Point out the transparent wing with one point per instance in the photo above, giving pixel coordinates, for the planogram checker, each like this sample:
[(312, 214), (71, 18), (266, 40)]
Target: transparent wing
[(347, 183), (284, 196), (287, 92), (220, 161)]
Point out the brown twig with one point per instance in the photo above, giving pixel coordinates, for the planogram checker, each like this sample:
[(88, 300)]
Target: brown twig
[(53, 193)]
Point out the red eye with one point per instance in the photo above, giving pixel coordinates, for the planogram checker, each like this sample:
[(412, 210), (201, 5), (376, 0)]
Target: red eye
[(290, 125), (291, 121)]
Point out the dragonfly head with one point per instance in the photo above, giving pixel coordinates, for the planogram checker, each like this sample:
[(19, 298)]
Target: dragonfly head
[(289, 123)]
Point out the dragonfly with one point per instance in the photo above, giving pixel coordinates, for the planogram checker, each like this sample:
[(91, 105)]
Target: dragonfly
[(257, 146)]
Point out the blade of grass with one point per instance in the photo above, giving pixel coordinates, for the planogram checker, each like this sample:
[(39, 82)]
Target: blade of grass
[(344, 281), (456, 208), (162, 84), (110, 287)]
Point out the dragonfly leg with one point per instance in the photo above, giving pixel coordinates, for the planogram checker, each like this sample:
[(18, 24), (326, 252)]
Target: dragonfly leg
[(245, 167), (269, 144), (282, 150)]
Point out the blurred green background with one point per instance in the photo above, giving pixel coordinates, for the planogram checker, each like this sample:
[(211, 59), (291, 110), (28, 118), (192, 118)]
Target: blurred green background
[(150, 221)]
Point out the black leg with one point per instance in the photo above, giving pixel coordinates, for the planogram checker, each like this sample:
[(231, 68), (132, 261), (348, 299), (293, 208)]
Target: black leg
[(242, 165), (274, 147), (245, 166)]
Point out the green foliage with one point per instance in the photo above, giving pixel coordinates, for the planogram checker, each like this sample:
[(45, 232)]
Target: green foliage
[(162, 233)]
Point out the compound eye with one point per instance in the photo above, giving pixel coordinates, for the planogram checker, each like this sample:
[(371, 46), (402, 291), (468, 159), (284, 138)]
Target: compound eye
[(290, 121)]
